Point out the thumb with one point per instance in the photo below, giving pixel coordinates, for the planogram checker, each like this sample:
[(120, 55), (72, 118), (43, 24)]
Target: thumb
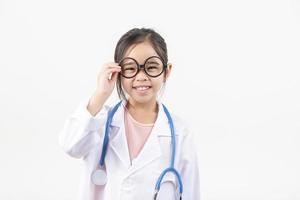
[(114, 76)]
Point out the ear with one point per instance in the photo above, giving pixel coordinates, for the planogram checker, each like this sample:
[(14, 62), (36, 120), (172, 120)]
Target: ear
[(168, 71)]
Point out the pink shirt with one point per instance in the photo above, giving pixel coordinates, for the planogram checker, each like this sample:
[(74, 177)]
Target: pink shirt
[(136, 134)]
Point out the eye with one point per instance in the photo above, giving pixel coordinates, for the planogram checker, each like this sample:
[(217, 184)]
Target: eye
[(152, 67), (153, 64), (129, 68)]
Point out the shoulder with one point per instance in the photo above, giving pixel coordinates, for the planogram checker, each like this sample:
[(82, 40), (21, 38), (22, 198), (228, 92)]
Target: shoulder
[(186, 139), (181, 125), (82, 110)]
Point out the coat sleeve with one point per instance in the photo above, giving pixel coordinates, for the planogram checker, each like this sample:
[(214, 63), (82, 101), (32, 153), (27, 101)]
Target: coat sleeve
[(82, 131), (189, 167)]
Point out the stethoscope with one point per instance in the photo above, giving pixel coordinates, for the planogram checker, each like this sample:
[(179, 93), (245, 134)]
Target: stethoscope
[(99, 176)]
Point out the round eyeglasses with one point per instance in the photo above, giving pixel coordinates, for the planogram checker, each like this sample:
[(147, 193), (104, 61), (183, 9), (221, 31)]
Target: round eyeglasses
[(153, 67)]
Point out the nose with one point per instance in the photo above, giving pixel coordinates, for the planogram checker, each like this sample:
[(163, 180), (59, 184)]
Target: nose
[(141, 75)]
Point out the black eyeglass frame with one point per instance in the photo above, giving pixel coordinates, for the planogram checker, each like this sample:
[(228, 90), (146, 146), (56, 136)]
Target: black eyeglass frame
[(143, 67)]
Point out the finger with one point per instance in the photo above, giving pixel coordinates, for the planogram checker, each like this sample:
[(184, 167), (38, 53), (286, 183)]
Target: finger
[(111, 65), (113, 72), (108, 71), (114, 77)]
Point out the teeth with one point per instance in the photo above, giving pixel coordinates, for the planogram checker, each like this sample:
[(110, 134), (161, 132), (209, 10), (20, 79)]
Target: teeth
[(142, 88)]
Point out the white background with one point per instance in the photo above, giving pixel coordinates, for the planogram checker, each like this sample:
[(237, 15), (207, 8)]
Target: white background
[(236, 69)]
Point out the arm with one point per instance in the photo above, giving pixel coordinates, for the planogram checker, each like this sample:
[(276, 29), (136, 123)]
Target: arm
[(82, 130)]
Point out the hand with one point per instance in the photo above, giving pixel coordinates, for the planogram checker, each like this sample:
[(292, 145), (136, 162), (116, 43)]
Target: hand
[(107, 78), (106, 81)]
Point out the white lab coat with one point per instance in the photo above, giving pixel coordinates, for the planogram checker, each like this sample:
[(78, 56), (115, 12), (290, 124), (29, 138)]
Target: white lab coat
[(82, 137)]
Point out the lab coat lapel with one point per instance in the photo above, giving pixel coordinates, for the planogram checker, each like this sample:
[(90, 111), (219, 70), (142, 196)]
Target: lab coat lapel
[(118, 140), (152, 150)]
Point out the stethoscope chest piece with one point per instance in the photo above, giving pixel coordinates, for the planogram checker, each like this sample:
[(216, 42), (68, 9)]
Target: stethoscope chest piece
[(99, 177)]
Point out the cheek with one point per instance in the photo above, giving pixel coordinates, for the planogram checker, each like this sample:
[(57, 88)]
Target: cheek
[(158, 84), (126, 84)]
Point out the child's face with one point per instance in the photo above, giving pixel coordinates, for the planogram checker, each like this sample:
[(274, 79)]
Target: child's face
[(132, 86)]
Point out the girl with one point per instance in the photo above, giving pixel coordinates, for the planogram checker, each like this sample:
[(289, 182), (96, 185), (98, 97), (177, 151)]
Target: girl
[(135, 150)]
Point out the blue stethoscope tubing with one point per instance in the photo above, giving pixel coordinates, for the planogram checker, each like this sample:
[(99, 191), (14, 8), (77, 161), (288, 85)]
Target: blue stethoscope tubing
[(171, 167)]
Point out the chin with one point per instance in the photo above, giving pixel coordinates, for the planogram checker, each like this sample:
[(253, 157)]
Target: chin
[(143, 99)]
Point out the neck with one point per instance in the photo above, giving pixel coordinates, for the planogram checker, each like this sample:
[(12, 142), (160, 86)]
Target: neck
[(148, 107), (145, 113)]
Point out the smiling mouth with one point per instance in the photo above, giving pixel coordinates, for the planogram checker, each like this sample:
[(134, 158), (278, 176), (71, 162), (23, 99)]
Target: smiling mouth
[(142, 88)]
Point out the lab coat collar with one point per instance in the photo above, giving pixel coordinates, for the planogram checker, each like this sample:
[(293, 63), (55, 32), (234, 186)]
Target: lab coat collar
[(161, 126), (151, 149)]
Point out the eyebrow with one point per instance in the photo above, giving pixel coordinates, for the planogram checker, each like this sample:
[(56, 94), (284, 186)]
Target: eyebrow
[(129, 62), (152, 62)]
